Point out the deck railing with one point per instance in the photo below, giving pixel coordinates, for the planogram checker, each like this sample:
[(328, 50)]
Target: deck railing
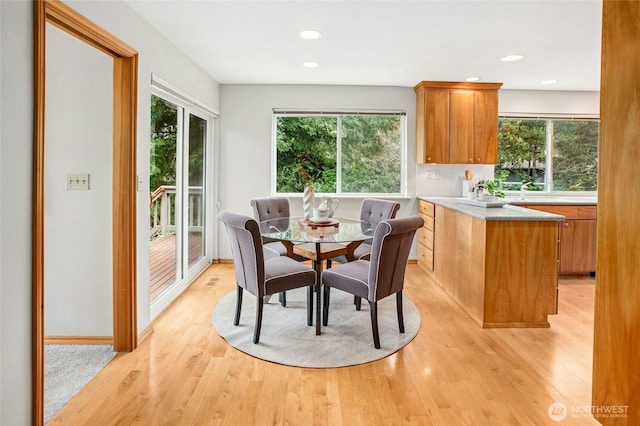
[(163, 210)]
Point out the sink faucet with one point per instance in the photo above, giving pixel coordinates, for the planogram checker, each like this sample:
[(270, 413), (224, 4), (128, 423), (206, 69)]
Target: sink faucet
[(523, 188)]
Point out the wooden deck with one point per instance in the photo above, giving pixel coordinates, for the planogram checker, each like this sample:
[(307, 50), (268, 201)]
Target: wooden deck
[(162, 264)]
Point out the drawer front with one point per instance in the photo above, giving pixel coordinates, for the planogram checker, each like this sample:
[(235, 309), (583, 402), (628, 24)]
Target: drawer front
[(425, 259), (569, 212), (425, 237), (428, 222), (426, 208)]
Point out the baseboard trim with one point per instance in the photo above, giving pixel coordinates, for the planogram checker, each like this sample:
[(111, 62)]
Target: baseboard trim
[(145, 334), (78, 340)]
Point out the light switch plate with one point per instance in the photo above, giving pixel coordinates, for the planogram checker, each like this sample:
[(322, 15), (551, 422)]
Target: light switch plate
[(77, 181)]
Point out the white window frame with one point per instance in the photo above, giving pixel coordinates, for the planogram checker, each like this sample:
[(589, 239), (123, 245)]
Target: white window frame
[(277, 113), (548, 172), (188, 105)]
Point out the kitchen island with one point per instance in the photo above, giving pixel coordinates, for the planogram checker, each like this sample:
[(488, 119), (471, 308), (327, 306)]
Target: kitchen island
[(499, 264)]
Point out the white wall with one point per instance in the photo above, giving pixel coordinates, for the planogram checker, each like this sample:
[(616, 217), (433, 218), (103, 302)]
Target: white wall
[(78, 224), (156, 55), (246, 115), (16, 84)]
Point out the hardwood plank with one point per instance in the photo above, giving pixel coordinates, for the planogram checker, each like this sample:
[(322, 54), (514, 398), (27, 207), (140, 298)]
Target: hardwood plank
[(453, 372)]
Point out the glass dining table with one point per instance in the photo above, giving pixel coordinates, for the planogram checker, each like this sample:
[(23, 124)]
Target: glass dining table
[(318, 241)]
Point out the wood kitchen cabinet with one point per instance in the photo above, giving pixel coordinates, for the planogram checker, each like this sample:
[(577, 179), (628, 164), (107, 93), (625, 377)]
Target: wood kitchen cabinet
[(425, 235), (577, 237), (503, 272), (457, 123)]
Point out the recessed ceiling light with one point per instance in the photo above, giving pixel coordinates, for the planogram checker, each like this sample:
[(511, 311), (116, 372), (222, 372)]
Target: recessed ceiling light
[(310, 34), (472, 79), (311, 64), (548, 81), (511, 58)]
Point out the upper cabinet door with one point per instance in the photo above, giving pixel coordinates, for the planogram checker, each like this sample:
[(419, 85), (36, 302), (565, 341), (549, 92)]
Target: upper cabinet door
[(461, 127), (457, 123), (432, 129), (486, 127)]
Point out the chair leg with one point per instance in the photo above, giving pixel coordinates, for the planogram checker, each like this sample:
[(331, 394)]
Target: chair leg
[(374, 324), (236, 321), (259, 305), (325, 306), (283, 298), (399, 308), (328, 263), (357, 300), (310, 305)]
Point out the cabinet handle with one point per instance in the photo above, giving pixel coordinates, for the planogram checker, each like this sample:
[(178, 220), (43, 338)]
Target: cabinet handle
[(428, 158), (566, 224), (478, 159)]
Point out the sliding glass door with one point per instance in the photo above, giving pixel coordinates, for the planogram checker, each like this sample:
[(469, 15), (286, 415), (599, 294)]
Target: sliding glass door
[(178, 180), (196, 186)]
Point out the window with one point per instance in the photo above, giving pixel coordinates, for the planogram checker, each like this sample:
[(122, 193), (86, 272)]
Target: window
[(354, 153), (548, 154)]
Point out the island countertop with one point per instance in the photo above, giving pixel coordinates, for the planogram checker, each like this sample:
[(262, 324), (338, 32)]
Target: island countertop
[(507, 212)]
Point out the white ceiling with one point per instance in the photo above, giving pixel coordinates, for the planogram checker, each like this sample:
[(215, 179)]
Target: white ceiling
[(388, 43)]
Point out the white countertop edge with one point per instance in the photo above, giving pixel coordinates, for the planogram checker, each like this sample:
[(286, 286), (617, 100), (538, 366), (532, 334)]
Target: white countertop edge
[(507, 212)]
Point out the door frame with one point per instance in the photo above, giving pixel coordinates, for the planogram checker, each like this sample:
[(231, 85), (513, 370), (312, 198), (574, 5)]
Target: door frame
[(125, 100)]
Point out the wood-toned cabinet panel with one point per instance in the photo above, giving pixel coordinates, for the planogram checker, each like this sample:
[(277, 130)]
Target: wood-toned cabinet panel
[(577, 239), (457, 123), (425, 260), (425, 237), (568, 211), (486, 127), (426, 208), (437, 126), (462, 127), (577, 246)]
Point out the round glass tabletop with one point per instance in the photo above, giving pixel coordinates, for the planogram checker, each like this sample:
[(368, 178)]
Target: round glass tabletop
[(300, 230)]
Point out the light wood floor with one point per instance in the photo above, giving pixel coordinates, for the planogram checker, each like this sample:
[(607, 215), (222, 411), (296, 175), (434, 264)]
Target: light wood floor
[(452, 373)]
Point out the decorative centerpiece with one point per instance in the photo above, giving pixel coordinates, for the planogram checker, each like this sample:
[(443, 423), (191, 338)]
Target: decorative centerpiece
[(308, 199)]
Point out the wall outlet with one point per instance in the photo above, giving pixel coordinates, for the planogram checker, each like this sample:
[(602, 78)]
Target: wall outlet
[(433, 175), (77, 181)]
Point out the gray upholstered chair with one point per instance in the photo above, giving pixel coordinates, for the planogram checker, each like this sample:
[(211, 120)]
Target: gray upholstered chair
[(379, 277), (372, 211), (267, 208), (262, 277), (272, 208)]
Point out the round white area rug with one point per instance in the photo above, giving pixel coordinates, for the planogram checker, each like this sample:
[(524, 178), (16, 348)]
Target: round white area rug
[(286, 338)]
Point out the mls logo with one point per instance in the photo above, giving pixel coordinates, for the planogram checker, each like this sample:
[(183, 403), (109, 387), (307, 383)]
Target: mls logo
[(557, 411)]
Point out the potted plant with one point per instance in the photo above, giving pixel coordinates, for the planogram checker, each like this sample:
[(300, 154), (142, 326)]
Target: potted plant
[(495, 188)]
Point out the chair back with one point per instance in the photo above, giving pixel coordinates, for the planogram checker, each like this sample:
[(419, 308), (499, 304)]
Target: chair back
[(246, 248), (374, 210), (271, 208), (389, 254)]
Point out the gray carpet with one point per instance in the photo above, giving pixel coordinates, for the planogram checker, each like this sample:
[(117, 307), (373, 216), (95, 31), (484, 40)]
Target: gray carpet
[(286, 339), (68, 368)]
